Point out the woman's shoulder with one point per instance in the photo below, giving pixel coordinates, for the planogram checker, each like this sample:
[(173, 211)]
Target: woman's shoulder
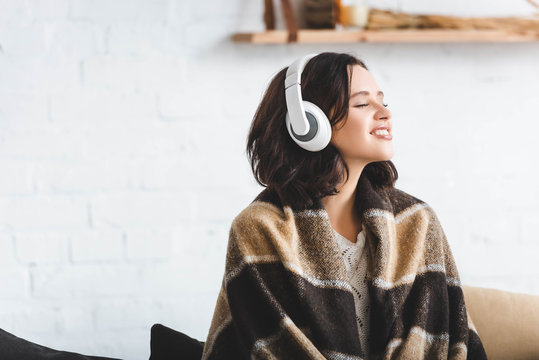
[(265, 211), (262, 229), (402, 201)]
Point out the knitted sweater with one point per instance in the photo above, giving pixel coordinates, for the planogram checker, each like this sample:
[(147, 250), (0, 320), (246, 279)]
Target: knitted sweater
[(356, 261), (286, 295)]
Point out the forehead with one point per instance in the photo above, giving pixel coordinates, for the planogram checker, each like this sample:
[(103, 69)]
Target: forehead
[(362, 80)]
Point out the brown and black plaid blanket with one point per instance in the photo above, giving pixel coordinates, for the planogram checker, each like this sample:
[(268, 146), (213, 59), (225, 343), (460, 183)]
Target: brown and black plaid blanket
[(285, 293)]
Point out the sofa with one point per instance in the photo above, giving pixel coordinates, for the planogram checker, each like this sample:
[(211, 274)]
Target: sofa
[(507, 322)]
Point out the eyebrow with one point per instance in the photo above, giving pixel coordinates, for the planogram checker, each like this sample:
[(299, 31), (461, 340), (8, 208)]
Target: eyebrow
[(364, 92)]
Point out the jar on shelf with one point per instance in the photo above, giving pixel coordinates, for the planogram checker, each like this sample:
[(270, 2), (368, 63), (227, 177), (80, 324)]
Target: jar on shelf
[(321, 14), (353, 14)]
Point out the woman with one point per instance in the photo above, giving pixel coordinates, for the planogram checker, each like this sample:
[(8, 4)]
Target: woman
[(331, 260)]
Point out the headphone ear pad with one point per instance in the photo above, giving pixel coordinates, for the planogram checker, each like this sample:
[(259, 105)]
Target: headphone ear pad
[(316, 117)]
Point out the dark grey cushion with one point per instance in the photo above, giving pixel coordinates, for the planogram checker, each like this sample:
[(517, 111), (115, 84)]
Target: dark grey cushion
[(15, 348), (169, 344)]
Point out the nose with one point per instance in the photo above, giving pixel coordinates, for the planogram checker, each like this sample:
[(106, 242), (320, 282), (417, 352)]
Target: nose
[(383, 113)]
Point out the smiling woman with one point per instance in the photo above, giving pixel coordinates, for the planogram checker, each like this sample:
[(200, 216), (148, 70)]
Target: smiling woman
[(331, 261)]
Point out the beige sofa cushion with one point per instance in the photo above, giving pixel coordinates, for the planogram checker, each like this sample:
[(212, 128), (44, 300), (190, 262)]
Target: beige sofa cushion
[(507, 322)]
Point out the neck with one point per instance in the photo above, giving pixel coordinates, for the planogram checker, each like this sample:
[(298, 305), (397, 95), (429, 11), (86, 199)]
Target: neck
[(341, 205)]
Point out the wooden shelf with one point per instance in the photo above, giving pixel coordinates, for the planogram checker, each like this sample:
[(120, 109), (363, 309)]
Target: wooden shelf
[(387, 36)]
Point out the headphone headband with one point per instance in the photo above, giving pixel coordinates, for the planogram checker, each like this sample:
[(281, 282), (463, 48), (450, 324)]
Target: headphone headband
[(293, 74)]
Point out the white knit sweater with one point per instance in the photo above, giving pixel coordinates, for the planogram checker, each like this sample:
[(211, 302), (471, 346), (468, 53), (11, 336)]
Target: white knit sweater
[(355, 259)]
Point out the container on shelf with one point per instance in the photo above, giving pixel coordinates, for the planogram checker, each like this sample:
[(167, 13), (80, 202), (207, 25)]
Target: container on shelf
[(353, 14), (321, 14)]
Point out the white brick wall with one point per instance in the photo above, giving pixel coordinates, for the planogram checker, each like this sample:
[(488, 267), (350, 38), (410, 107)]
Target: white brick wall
[(122, 135)]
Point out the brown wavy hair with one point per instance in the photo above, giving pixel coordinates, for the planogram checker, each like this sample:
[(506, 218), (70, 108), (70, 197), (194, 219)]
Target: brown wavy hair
[(297, 175)]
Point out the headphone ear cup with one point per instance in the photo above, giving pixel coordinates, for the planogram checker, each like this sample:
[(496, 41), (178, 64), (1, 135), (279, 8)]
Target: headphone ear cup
[(319, 133)]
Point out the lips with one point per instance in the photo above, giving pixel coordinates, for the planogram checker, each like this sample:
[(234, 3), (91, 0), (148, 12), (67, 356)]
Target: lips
[(386, 135), (381, 127)]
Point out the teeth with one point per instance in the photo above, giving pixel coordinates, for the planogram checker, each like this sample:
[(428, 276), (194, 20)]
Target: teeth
[(381, 132)]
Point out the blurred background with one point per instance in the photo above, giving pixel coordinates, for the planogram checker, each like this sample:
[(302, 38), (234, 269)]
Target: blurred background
[(122, 133)]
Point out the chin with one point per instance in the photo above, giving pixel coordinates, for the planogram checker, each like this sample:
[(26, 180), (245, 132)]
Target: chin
[(389, 155), (374, 157), (386, 157)]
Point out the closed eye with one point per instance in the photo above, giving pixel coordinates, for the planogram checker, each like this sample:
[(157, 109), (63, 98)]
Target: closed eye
[(361, 105)]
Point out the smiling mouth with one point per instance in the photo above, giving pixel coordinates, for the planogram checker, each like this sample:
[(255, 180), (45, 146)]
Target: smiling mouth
[(382, 134)]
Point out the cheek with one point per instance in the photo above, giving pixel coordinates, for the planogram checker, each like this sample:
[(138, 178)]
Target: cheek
[(350, 137), (353, 130)]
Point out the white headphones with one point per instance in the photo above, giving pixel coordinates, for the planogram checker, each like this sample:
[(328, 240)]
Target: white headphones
[(311, 127)]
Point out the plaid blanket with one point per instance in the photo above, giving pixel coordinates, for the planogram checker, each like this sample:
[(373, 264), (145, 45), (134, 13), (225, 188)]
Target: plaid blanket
[(285, 293)]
